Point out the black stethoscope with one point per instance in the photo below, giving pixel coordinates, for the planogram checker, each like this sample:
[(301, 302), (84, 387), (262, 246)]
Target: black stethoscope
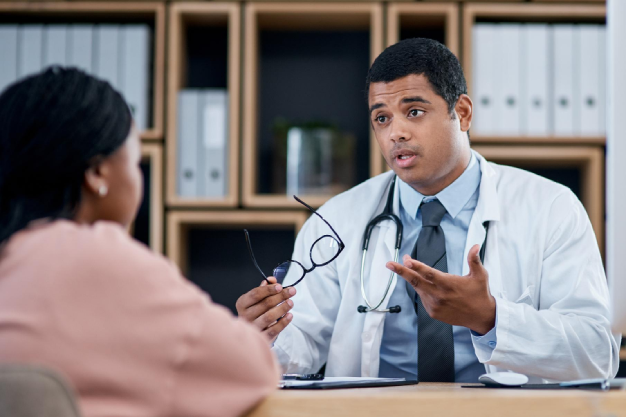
[(387, 214)]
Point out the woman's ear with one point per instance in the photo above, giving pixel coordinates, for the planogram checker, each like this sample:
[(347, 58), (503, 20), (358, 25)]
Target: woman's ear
[(464, 108), (95, 182)]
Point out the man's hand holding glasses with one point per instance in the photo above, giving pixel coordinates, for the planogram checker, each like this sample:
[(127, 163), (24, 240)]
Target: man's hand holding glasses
[(268, 305)]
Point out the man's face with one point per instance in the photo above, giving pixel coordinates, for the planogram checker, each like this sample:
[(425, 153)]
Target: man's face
[(419, 138)]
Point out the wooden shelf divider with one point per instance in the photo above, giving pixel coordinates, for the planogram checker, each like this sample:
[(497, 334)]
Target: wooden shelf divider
[(423, 14), (209, 14), (178, 222), (589, 159), (154, 153), (295, 16), (110, 10)]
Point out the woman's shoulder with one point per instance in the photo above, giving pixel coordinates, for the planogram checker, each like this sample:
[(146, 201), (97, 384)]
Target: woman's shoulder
[(92, 249)]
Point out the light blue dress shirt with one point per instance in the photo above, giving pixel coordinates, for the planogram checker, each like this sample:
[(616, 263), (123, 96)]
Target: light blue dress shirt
[(398, 352)]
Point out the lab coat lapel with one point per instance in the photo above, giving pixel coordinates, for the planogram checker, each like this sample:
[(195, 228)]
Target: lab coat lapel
[(487, 210)]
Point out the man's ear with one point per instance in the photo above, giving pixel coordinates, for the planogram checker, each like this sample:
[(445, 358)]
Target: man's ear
[(464, 109)]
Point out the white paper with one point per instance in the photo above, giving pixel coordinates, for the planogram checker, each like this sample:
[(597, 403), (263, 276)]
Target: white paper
[(331, 380)]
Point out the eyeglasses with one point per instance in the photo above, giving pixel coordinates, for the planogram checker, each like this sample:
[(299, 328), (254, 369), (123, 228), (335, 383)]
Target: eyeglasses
[(323, 251)]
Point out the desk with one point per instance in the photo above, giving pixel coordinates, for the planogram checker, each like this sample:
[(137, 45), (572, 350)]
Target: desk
[(439, 400)]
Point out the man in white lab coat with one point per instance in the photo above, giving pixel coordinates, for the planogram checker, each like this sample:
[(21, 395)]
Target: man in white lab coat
[(538, 304)]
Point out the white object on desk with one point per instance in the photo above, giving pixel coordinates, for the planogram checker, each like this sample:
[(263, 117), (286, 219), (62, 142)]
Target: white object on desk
[(503, 379)]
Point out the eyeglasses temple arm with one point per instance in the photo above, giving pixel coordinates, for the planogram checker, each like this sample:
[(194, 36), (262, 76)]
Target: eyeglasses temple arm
[(252, 256), (320, 216)]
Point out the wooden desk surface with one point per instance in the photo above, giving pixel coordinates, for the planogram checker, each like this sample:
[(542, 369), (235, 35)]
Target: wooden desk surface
[(440, 400)]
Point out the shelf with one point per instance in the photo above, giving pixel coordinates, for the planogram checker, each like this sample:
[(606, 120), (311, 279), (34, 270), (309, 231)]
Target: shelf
[(105, 12), (193, 63), (539, 140), (148, 225), (558, 163), (526, 12), (439, 21), (326, 53), (211, 250)]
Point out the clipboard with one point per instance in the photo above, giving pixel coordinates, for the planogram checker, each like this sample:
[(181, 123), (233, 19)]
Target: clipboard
[(346, 383)]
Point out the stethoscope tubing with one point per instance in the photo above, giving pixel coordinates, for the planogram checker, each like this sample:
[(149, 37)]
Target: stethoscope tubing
[(369, 306), (387, 214)]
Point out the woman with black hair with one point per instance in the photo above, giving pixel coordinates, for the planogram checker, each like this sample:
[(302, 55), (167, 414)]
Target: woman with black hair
[(77, 294)]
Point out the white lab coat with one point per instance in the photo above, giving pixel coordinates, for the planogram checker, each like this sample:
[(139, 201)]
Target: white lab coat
[(545, 272)]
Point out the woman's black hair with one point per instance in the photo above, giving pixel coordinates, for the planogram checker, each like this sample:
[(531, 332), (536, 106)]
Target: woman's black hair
[(53, 126)]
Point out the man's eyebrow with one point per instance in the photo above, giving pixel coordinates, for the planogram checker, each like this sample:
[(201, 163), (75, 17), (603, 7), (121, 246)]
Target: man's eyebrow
[(416, 99), (376, 106)]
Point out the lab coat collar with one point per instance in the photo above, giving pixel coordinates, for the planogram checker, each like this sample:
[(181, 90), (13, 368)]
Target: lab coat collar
[(487, 208)]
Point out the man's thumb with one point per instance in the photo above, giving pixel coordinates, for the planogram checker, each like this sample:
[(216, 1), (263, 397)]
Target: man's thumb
[(473, 259)]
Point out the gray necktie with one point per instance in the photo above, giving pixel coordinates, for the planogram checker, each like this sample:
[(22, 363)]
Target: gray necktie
[(435, 362)]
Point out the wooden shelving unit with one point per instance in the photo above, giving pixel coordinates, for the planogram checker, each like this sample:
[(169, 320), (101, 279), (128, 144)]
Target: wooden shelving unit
[(588, 159), (292, 17), (552, 13), (152, 155), (437, 20), (183, 16), (152, 12), (179, 223)]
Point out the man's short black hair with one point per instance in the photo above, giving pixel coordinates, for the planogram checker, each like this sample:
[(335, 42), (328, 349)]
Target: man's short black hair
[(421, 56)]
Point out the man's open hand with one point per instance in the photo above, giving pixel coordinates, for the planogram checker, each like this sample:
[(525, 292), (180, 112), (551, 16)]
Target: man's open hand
[(456, 300)]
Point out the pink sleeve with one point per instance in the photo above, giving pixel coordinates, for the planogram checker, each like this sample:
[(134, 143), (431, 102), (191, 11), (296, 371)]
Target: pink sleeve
[(227, 369)]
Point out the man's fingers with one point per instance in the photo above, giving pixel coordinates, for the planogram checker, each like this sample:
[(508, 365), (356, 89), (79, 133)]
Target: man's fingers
[(257, 294), (425, 271), (275, 329), (270, 302), (267, 319), (414, 278), (272, 280)]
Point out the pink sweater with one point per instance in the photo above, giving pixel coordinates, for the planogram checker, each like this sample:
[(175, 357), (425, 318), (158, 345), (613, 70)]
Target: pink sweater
[(129, 332)]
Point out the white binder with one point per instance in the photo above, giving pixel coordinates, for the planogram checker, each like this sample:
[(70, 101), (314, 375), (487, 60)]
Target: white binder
[(188, 139), (106, 62), (212, 163), (30, 52), (589, 56), (55, 45), (81, 47), (602, 94), (563, 64), (135, 71), (508, 79), (535, 103), (8, 52), (483, 73)]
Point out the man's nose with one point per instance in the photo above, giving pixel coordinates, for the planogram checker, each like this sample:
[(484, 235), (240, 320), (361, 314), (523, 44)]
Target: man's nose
[(399, 130)]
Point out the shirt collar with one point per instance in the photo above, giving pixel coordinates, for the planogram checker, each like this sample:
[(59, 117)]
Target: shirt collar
[(454, 197)]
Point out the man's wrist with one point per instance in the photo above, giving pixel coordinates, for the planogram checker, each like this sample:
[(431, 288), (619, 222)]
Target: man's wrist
[(488, 318)]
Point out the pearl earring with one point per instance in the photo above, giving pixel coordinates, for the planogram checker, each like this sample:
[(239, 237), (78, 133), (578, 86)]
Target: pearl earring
[(103, 190)]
